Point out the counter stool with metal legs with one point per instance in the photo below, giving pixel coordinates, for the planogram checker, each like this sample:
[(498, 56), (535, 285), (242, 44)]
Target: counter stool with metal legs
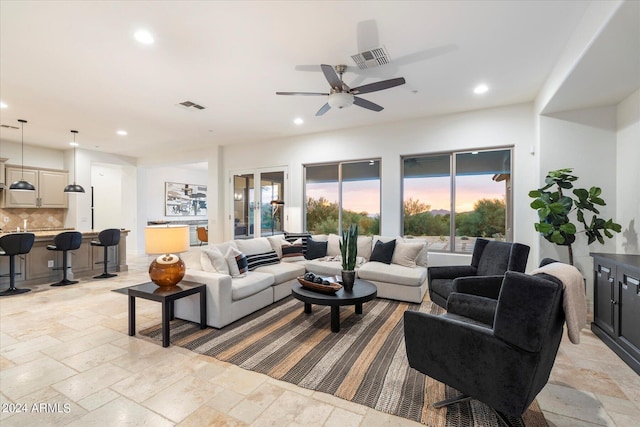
[(106, 238), (11, 245), (66, 241)]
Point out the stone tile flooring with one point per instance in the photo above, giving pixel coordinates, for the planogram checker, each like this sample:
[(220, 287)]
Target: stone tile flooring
[(66, 359)]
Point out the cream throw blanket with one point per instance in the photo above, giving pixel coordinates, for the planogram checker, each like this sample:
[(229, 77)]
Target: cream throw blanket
[(574, 300)]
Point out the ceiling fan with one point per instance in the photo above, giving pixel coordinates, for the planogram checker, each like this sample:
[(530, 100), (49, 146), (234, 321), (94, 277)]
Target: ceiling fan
[(341, 96)]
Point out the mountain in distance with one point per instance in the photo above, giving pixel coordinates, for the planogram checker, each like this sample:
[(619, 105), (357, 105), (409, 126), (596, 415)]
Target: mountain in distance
[(439, 212)]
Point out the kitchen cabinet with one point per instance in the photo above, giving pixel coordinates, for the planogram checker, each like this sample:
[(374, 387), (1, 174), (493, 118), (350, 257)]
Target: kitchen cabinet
[(49, 188), (616, 305)]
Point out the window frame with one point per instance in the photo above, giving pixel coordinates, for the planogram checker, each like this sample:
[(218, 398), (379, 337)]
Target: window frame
[(452, 200)]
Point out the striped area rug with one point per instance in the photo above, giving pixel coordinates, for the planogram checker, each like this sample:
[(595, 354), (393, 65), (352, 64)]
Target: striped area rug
[(365, 362)]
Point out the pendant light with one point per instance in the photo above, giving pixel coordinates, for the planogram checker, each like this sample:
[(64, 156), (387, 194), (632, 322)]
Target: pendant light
[(22, 185), (74, 188)]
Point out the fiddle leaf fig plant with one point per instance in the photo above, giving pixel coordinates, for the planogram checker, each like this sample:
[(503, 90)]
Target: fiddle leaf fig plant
[(554, 207)]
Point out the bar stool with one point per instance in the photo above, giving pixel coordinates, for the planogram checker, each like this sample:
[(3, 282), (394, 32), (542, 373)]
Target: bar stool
[(106, 238), (11, 245), (66, 241)]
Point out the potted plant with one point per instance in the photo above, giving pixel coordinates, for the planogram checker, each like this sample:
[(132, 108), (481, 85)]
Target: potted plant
[(349, 250), (554, 207)]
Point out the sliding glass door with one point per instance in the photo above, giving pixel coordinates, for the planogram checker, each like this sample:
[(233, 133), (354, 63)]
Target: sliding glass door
[(258, 202)]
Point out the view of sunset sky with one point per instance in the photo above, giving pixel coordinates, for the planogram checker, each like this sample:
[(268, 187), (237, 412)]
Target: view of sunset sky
[(364, 196)]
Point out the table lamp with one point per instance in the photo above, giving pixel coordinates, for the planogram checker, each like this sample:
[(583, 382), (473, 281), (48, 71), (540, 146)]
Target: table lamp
[(166, 270)]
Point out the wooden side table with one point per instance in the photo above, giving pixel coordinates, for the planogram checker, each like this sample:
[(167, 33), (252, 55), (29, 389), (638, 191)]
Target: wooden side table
[(153, 292)]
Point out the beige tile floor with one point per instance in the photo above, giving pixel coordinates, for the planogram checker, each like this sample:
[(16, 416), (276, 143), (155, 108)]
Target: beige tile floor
[(66, 359)]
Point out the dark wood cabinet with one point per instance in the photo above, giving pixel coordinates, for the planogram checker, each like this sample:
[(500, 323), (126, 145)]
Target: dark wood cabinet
[(616, 304)]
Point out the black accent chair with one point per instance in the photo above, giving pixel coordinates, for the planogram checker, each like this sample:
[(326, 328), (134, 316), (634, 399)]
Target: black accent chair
[(11, 245), (490, 260), (106, 238), (504, 364), (66, 241)]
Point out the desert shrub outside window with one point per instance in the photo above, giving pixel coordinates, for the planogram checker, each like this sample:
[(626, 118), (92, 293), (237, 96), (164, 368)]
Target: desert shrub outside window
[(474, 185), (342, 193)]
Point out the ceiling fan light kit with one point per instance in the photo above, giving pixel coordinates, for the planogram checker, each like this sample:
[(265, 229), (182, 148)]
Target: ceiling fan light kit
[(341, 96)]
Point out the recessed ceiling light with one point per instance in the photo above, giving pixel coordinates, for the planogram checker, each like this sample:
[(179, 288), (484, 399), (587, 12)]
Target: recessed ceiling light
[(3, 105), (73, 144), (122, 132), (298, 121), (143, 36), (480, 89)]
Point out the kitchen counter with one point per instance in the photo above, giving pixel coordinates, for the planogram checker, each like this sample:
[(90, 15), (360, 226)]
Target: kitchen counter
[(41, 265)]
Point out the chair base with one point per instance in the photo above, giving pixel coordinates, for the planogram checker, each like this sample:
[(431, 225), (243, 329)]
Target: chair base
[(104, 276), (504, 419), (65, 282), (13, 291)]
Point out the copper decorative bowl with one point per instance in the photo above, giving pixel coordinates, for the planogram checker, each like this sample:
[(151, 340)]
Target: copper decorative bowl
[(331, 288)]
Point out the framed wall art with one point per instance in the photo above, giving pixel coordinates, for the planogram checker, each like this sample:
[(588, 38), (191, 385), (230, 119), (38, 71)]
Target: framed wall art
[(185, 199)]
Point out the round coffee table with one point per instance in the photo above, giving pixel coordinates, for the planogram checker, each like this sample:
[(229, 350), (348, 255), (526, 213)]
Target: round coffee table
[(362, 292)]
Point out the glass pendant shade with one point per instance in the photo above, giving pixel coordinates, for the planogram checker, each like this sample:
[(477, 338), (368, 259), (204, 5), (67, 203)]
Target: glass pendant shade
[(21, 184), (74, 188)]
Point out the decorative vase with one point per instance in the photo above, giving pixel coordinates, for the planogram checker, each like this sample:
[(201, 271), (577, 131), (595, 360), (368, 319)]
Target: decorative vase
[(348, 278)]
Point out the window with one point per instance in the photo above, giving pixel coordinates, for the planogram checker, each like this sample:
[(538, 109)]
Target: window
[(475, 186), (339, 194)]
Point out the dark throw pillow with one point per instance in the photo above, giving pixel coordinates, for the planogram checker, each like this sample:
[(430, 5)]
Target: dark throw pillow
[(315, 249), (383, 252), (258, 260)]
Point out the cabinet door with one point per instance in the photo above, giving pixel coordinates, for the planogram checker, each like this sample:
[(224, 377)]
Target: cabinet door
[(51, 189), (604, 288), (21, 199), (629, 302)]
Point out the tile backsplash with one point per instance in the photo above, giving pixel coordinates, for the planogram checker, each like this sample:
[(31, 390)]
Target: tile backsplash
[(39, 218)]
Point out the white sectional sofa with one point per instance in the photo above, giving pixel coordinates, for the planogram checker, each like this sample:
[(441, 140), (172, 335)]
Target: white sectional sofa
[(233, 294)]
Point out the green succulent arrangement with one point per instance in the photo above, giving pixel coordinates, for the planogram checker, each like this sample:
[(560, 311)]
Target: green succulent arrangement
[(349, 247), (554, 208)]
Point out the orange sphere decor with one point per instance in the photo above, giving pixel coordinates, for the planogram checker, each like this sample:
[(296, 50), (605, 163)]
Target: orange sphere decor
[(167, 270)]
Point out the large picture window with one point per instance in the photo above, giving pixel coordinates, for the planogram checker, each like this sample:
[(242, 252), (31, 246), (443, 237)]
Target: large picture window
[(339, 194), (475, 186)]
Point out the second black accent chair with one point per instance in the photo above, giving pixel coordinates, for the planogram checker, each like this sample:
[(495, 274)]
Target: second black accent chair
[(66, 241), (11, 245), (106, 238), (490, 261)]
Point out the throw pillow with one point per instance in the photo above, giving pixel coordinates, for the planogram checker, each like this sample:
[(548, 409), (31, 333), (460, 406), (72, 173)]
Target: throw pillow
[(213, 261), (405, 254), (315, 249), (333, 247), (292, 237), (237, 262), (383, 252), (276, 243), (258, 260), (292, 252)]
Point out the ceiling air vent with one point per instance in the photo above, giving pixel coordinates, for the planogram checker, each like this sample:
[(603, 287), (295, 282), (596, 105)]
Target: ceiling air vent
[(371, 58), (10, 127), (188, 105)]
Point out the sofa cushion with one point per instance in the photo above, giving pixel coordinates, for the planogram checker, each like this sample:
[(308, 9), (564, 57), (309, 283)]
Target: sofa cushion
[(292, 237), (283, 271), (315, 249), (258, 245), (383, 252), (237, 262), (192, 260), (365, 247), (213, 261), (250, 284), (392, 273), (405, 254), (324, 268), (276, 243), (333, 245), (292, 251), (257, 260)]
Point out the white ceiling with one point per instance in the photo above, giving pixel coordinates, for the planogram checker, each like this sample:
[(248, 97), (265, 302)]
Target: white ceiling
[(75, 65)]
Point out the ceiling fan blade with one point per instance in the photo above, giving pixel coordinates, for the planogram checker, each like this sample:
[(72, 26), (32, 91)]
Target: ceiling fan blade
[(361, 102), (302, 93), (332, 76), (326, 107), (374, 87)]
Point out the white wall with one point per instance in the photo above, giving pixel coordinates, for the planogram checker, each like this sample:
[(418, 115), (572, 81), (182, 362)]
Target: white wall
[(505, 126), (34, 156), (584, 140), (628, 174)]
